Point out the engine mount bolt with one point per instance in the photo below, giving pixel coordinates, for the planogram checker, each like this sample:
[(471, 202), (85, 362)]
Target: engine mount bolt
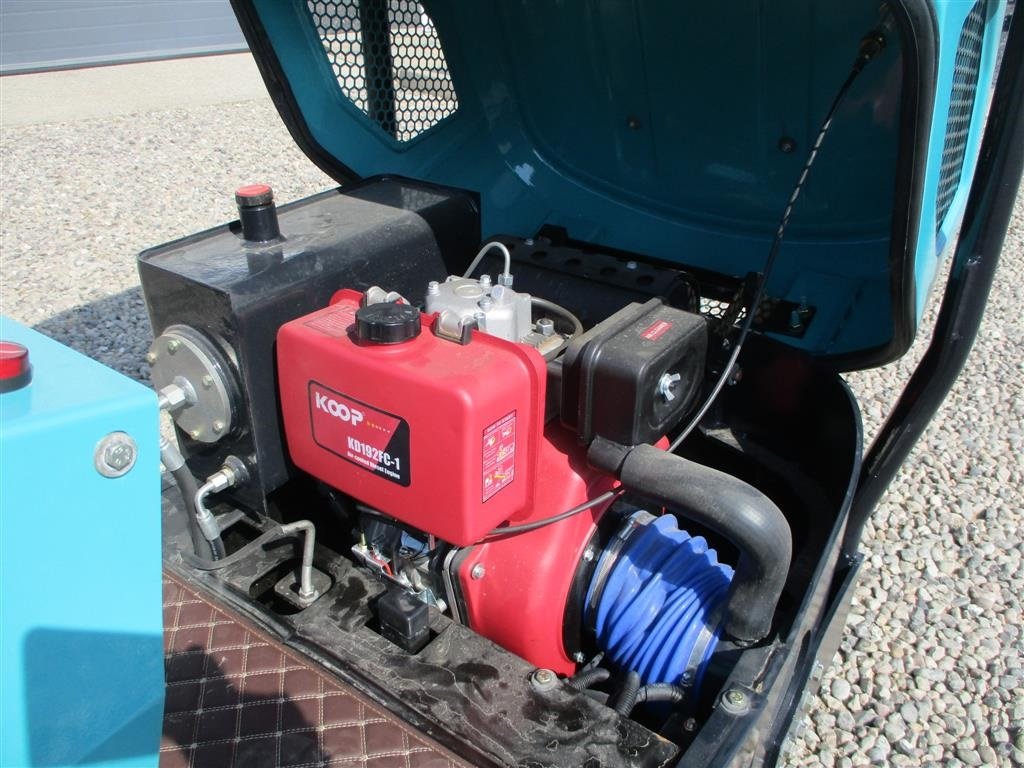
[(151, 357), (546, 326), (173, 346), (543, 679), (477, 572), (735, 701), (115, 454)]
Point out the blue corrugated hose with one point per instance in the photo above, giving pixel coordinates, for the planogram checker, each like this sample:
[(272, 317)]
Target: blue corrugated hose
[(658, 613)]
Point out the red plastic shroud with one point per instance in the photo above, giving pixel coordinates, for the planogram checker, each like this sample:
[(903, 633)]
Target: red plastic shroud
[(442, 436), (519, 600)]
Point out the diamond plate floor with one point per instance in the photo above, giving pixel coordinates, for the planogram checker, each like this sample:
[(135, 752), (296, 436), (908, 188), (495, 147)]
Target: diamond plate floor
[(235, 697)]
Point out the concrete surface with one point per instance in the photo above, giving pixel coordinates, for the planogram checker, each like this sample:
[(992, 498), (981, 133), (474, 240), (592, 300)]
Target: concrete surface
[(122, 89), (97, 165)]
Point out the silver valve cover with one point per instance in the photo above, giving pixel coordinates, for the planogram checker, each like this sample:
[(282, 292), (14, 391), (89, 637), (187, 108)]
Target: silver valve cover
[(497, 309)]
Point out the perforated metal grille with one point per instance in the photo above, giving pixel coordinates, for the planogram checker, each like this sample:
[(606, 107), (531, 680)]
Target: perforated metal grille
[(961, 106), (388, 61)]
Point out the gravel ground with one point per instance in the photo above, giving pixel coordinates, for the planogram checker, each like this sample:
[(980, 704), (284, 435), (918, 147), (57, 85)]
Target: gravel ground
[(930, 670)]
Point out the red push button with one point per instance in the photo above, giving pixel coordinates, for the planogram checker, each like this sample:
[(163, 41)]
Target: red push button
[(15, 370), (253, 195)]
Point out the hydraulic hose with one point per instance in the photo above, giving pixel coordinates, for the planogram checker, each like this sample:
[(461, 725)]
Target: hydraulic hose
[(206, 521), (233, 473), (172, 460), (306, 589), (733, 509)]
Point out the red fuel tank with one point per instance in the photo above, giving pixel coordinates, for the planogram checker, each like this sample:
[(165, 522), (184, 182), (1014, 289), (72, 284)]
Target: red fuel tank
[(441, 435)]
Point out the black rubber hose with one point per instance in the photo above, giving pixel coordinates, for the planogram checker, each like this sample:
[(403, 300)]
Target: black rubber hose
[(588, 678), (186, 483), (626, 699), (733, 509), (205, 564), (661, 692)]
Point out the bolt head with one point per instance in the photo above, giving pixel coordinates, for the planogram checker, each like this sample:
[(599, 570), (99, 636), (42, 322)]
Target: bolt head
[(588, 555), (115, 454), (631, 265), (546, 326), (194, 434), (218, 426), (478, 572), (735, 701), (151, 357), (579, 657), (207, 381), (173, 346), (543, 679)]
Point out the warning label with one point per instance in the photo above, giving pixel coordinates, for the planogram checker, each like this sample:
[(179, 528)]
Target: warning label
[(336, 322), (499, 455), (656, 330), (370, 438)]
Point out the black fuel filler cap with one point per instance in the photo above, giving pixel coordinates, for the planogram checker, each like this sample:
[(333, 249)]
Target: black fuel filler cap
[(387, 323)]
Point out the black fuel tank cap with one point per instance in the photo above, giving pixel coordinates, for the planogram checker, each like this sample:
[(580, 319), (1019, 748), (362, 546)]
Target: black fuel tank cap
[(387, 323)]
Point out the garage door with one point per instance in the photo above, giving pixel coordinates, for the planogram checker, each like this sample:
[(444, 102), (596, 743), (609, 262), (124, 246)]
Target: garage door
[(67, 33)]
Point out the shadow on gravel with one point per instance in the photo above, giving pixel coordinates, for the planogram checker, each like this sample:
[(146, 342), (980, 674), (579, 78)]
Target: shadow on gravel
[(114, 330)]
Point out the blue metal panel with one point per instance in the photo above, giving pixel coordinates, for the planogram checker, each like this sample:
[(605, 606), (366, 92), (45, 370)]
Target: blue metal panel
[(931, 245), (81, 653)]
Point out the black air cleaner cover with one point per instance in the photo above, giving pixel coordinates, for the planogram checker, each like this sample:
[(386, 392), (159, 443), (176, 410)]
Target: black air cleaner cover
[(633, 377)]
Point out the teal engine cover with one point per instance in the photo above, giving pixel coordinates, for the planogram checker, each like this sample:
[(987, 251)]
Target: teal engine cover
[(81, 627)]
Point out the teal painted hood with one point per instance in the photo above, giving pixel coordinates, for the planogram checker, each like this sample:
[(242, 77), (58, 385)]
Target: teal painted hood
[(675, 130)]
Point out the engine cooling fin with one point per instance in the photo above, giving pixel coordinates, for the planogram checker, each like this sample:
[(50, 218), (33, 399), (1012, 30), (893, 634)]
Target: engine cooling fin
[(655, 601)]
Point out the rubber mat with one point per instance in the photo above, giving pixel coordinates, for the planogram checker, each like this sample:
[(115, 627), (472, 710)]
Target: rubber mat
[(236, 697)]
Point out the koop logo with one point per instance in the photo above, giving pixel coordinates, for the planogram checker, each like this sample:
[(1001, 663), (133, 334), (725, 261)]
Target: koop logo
[(338, 410)]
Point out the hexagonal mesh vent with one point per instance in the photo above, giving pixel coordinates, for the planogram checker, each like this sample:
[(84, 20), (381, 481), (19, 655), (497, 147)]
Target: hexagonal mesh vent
[(388, 60), (961, 107)]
